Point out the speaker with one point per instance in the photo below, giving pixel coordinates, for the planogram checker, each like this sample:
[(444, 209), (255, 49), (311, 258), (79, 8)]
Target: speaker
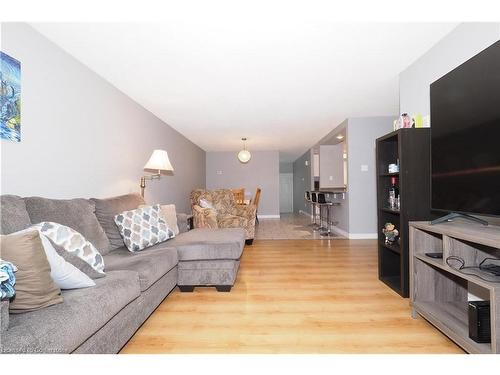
[(479, 321)]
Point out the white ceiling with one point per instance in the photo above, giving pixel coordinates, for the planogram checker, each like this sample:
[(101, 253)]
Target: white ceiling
[(281, 81)]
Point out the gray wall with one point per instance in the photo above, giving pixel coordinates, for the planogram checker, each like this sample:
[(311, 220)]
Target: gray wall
[(261, 171), (331, 166), (82, 137), (302, 175), (465, 41), (357, 213), (362, 186), (286, 167)]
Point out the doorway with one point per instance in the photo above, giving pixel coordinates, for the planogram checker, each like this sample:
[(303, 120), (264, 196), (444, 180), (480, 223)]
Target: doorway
[(286, 192)]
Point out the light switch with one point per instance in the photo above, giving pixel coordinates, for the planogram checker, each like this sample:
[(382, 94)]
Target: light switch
[(219, 172), (330, 178), (364, 168)]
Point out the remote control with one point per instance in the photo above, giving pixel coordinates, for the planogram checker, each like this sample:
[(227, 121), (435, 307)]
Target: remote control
[(435, 255)]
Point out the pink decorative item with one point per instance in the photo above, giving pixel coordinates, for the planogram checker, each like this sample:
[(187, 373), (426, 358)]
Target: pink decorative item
[(406, 120)]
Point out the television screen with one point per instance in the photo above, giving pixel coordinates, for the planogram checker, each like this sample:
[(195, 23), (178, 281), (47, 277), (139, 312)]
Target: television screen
[(465, 136)]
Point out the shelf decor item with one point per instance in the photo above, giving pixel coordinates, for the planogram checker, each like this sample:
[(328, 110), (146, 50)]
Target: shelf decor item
[(10, 98), (390, 233)]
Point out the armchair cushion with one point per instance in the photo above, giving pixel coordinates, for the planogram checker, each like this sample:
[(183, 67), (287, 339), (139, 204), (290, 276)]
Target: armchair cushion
[(232, 221), (204, 217)]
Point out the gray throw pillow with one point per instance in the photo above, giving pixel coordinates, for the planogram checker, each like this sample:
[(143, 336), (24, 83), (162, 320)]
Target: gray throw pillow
[(143, 227), (107, 209), (77, 261), (72, 242)]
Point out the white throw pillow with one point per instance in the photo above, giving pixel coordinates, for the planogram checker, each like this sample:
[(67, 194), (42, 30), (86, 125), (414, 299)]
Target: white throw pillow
[(64, 274), (169, 214), (206, 204)]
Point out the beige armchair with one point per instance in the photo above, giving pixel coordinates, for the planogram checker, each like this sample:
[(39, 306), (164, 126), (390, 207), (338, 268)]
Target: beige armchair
[(225, 214)]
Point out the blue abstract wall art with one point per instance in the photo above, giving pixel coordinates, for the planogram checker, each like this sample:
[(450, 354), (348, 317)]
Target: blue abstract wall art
[(10, 98)]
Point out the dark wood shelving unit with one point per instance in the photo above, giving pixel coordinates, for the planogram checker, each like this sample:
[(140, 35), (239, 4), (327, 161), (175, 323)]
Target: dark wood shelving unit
[(389, 174), (387, 209), (412, 148), (393, 247)]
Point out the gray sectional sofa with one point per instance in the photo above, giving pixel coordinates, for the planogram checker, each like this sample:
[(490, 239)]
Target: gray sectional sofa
[(101, 319)]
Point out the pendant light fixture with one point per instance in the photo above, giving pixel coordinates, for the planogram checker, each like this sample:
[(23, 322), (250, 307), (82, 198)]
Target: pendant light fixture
[(244, 155)]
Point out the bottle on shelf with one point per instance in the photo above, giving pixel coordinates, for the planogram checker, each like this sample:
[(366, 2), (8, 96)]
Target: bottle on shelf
[(394, 194)]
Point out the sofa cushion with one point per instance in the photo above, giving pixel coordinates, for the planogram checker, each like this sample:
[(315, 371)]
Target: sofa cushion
[(151, 263), (208, 244), (77, 214), (14, 216), (107, 209), (64, 327)]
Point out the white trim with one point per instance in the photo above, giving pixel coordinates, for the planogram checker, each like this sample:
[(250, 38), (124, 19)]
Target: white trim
[(342, 232), (305, 213), (268, 216)]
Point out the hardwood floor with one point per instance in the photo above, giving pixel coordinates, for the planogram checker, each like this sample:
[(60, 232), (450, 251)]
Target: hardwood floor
[(293, 296)]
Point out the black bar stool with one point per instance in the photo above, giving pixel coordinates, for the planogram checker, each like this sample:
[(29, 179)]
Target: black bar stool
[(328, 205), (314, 202)]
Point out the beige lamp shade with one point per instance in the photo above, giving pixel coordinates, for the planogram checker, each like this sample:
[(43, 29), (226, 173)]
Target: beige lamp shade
[(158, 162)]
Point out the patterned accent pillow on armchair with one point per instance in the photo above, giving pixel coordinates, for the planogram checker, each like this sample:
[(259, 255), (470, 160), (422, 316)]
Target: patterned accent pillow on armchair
[(143, 227)]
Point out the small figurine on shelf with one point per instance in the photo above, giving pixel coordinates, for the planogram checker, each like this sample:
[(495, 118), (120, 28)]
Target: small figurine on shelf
[(390, 233), (404, 121)]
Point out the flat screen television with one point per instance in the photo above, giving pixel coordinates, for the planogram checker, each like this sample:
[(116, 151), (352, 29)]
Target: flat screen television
[(465, 137)]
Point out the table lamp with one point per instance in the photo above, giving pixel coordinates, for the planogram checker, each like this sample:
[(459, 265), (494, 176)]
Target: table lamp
[(157, 164)]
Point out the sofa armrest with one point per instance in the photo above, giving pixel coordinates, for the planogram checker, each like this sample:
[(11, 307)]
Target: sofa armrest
[(4, 315), (183, 222), (204, 217), (248, 211)]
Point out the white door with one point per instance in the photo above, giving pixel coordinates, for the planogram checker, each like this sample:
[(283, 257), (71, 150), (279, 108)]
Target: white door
[(286, 192)]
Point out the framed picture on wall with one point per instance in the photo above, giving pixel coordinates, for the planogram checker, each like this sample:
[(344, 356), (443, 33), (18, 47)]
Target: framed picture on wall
[(10, 98)]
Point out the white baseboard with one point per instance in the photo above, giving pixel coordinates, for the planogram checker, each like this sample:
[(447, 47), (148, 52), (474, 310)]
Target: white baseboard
[(268, 216), (342, 232), (363, 236)]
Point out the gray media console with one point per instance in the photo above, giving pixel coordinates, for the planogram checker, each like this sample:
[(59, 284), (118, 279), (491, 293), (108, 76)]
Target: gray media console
[(440, 292)]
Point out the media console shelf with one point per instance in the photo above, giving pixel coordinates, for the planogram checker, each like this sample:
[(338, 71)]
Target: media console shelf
[(440, 293)]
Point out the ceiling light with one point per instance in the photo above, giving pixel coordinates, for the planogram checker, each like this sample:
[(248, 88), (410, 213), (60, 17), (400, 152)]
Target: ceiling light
[(340, 136), (244, 155)]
